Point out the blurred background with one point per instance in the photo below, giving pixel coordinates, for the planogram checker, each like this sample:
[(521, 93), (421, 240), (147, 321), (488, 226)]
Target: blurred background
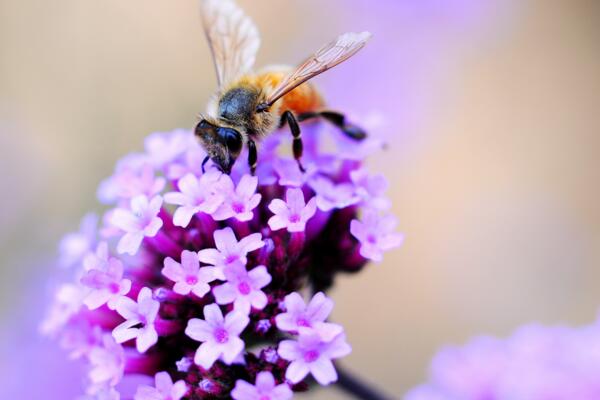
[(490, 109)]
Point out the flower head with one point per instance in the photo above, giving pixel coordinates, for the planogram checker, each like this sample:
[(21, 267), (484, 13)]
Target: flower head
[(220, 335), (292, 213), (164, 389), (243, 288), (139, 221), (187, 275), (185, 293), (139, 320), (264, 389)]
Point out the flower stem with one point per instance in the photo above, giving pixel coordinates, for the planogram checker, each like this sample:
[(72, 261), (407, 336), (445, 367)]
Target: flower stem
[(356, 387)]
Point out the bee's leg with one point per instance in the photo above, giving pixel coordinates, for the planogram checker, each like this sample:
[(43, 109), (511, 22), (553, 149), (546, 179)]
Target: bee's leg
[(297, 146), (339, 120), (204, 163), (252, 156)]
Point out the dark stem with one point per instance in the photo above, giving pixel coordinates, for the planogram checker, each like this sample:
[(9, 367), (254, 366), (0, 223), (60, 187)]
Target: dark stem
[(356, 387)]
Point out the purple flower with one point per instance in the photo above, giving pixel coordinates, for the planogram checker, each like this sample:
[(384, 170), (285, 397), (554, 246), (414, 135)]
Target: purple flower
[(240, 202), (229, 251), (330, 195), (130, 182), (107, 364), (220, 336), (164, 389), (243, 288), (371, 188), (298, 315), (310, 354), (105, 277), (162, 148), (292, 213), (138, 222), (376, 234), (194, 196), (74, 246), (188, 276), (265, 389), (139, 322)]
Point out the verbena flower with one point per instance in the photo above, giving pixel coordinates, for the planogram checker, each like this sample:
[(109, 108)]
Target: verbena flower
[(198, 280), (536, 362)]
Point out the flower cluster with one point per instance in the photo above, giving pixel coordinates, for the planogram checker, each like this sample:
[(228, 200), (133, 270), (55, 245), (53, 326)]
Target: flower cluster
[(193, 279), (536, 362)]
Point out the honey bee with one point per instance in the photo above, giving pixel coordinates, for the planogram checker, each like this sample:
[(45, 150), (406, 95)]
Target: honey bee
[(248, 106)]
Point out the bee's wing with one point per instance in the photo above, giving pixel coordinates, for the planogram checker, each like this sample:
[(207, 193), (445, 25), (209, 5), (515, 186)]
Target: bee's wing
[(328, 56), (232, 37)]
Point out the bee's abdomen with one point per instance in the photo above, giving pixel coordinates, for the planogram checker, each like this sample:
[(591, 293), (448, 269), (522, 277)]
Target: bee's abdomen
[(304, 98)]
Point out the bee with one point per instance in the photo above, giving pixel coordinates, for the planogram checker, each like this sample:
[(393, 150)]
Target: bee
[(249, 106)]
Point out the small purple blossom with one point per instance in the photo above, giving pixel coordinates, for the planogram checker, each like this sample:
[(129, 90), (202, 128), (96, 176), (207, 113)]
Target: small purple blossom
[(194, 196), (74, 246), (188, 276), (376, 234), (371, 188), (164, 389), (292, 213), (130, 182), (229, 251), (264, 389), (243, 288), (140, 221), (299, 315), (240, 202), (184, 364), (104, 277), (164, 148), (310, 354), (139, 322), (108, 364), (220, 336), (330, 196)]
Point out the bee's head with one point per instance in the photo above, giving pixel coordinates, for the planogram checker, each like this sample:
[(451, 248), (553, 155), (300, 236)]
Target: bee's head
[(223, 144)]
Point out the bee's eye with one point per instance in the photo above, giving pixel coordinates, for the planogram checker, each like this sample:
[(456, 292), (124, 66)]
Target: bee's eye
[(232, 139)]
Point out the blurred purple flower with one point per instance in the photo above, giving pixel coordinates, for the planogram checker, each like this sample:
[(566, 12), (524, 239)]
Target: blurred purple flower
[(139, 320), (376, 234), (536, 362), (75, 246), (138, 222), (265, 389), (164, 389)]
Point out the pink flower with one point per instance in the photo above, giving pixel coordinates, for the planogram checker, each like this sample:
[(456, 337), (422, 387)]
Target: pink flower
[(129, 182), (194, 196), (330, 195), (229, 251), (74, 246), (292, 213), (139, 322), (240, 202), (105, 277), (220, 336), (376, 234), (298, 315), (68, 300), (163, 148), (243, 288), (265, 389), (108, 364), (188, 276), (140, 221), (371, 188), (311, 354), (164, 389)]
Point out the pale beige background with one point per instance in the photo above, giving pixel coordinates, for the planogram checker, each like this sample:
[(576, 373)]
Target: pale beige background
[(497, 189)]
